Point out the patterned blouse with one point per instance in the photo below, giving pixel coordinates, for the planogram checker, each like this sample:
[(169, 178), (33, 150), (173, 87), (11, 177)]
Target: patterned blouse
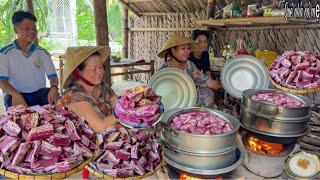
[(205, 96), (77, 93)]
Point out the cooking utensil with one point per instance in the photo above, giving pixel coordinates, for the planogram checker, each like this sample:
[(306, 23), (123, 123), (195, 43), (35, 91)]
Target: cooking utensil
[(208, 172), (200, 143), (263, 164), (242, 73), (141, 125), (176, 88), (272, 110)]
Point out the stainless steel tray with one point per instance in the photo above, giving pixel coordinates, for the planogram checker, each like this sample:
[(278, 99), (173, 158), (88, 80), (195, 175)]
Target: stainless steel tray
[(244, 72), (176, 88)]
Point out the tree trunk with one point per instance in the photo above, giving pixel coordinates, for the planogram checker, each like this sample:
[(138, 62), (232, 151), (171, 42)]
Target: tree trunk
[(30, 6), (125, 32), (30, 9), (102, 39)]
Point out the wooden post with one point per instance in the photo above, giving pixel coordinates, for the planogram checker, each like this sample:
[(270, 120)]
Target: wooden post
[(211, 8), (30, 9), (100, 14), (61, 64), (125, 32), (102, 39)]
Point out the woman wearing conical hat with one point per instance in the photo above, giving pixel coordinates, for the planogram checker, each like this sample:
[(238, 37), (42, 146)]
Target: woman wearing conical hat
[(85, 94), (176, 52)]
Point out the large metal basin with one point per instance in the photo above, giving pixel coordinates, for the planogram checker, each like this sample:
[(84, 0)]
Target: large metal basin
[(200, 143)]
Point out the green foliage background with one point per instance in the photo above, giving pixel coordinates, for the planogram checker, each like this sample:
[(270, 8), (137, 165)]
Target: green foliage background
[(8, 7), (84, 18)]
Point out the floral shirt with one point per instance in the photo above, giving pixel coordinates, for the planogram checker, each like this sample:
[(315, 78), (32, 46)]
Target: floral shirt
[(77, 93)]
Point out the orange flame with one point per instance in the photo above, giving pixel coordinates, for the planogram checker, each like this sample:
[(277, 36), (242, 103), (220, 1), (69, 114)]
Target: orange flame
[(264, 147), (186, 177)]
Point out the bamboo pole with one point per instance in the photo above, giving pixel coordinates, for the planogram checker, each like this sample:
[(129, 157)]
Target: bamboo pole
[(125, 32), (160, 29), (102, 38), (155, 14), (211, 8), (311, 26), (130, 8)]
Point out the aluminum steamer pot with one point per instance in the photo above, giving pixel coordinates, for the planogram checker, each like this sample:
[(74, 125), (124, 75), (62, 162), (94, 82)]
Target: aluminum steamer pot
[(273, 110), (269, 119), (294, 127), (202, 161), (200, 143)]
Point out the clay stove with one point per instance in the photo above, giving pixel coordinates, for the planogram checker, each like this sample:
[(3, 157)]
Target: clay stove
[(264, 158)]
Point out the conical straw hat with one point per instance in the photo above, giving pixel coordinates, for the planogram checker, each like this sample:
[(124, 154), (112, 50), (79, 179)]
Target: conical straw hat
[(76, 55)]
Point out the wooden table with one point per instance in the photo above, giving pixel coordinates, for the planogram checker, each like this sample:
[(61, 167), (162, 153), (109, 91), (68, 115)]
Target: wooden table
[(133, 67)]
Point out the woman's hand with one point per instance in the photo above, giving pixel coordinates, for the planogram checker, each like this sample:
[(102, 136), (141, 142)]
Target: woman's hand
[(84, 109), (213, 84), (208, 73), (113, 99)]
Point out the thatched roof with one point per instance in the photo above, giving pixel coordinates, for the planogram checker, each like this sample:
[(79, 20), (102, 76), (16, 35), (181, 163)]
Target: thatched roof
[(155, 7)]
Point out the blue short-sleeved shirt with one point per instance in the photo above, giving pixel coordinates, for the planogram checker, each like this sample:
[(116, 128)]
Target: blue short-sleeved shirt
[(26, 73)]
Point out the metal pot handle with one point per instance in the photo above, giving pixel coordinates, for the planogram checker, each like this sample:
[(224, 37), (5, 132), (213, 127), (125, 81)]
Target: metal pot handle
[(167, 144), (260, 108), (253, 117), (167, 128), (259, 114)]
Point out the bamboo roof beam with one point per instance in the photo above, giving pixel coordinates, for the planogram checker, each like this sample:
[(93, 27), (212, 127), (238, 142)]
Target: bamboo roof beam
[(154, 14), (160, 29), (138, 1), (130, 8), (289, 26)]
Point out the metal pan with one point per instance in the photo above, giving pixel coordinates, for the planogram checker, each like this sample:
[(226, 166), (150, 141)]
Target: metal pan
[(176, 88), (142, 125), (244, 72)]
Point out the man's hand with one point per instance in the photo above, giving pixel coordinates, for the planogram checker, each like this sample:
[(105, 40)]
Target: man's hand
[(53, 95), (17, 99)]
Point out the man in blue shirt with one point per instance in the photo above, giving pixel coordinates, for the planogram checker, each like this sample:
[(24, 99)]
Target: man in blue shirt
[(24, 67)]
